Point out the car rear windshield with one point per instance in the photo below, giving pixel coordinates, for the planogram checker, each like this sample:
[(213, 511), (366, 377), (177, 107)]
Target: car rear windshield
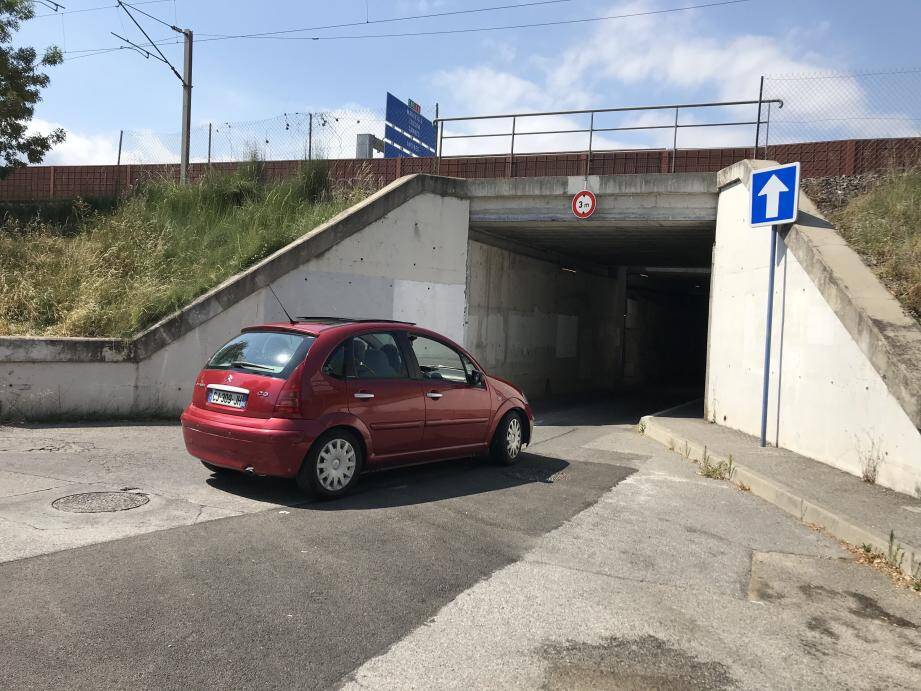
[(271, 353)]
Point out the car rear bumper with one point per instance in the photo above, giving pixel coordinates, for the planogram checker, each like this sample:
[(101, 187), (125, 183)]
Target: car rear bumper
[(272, 446)]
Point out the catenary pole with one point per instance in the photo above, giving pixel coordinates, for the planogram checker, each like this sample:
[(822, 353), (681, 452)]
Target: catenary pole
[(186, 106), (185, 77)]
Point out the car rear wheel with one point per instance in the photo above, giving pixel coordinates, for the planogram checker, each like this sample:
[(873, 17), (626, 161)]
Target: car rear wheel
[(508, 440), (332, 466)]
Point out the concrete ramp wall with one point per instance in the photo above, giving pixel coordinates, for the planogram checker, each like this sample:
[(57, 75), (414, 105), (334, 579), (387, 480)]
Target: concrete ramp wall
[(549, 329), (845, 385), (400, 254)]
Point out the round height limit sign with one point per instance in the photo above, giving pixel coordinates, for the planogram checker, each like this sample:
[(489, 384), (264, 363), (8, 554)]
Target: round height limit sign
[(583, 204)]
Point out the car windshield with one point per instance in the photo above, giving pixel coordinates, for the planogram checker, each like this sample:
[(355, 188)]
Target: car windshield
[(266, 352)]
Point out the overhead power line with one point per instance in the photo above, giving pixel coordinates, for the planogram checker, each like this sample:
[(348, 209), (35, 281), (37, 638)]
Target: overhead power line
[(443, 32), (51, 5), (148, 15), (95, 9), (430, 15), (185, 78)]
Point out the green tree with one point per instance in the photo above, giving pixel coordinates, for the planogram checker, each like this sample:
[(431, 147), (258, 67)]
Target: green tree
[(21, 82)]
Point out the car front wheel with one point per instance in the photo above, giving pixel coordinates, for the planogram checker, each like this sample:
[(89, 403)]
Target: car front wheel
[(508, 440), (332, 466)]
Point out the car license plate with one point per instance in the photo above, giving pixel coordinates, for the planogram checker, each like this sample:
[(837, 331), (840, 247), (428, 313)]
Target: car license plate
[(228, 398)]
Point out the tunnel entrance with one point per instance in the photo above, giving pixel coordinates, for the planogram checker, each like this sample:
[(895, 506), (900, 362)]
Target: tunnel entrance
[(568, 310), (666, 329)]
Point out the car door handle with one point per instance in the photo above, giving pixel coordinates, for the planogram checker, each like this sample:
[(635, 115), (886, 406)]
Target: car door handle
[(434, 394), (364, 395)]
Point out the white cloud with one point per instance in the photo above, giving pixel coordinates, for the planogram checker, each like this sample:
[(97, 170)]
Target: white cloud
[(77, 148), (685, 55), (486, 90)]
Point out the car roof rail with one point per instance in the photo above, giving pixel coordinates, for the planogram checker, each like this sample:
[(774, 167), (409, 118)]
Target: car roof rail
[(349, 320)]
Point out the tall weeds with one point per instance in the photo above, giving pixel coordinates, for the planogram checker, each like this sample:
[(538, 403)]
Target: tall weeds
[(114, 272), (884, 226)]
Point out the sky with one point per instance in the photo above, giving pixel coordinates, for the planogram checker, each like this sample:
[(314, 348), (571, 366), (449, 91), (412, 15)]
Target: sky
[(256, 92)]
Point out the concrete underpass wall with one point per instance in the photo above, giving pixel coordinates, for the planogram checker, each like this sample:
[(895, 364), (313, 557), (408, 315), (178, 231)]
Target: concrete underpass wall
[(666, 340), (828, 399), (407, 260), (548, 330)]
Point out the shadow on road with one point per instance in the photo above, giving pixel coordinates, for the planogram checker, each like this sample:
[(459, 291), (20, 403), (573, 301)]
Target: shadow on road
[(599, 409), (419, 484)]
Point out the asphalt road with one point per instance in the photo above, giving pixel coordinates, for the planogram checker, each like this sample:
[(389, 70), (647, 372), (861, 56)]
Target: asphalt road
[(289, 597), (601, 560)]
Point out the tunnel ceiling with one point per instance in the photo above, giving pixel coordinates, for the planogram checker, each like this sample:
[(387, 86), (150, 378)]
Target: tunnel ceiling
[(637, 244), (651, 220)]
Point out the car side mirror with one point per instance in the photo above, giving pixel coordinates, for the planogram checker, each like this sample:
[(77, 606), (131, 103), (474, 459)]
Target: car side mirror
[(475, 378)]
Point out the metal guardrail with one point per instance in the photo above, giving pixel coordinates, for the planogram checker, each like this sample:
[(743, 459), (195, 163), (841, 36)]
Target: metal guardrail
[(591, 129)]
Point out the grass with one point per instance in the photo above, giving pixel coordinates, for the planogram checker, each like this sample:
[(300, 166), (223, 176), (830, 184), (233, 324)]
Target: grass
[(890, 562), (884, 226), (113, 272), (721, 470)]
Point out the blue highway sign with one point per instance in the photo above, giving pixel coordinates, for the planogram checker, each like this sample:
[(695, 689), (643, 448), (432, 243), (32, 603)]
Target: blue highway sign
[(411, 146), (390, 151), (774, 195), (400, 116)]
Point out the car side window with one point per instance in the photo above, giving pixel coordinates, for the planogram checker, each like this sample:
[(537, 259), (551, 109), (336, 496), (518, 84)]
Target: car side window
[(377, 356), (438, 361), (335, 364)]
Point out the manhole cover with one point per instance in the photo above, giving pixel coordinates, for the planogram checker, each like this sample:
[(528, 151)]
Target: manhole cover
[(100, 502)]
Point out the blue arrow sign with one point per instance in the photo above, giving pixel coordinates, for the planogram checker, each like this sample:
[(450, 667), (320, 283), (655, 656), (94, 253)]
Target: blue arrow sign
[(774, 195)]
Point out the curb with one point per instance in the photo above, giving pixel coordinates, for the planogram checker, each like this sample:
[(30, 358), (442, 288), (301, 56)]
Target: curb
[(779, 494)]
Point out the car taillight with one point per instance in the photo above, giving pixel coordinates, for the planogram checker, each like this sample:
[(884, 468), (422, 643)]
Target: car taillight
[(289, 399)]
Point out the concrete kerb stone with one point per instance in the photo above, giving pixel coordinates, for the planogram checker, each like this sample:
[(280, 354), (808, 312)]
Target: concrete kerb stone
[(778, 494)]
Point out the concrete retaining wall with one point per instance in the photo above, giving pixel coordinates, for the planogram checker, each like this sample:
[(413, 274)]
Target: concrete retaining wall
[(550, 330), (401, 254), (845, 363)]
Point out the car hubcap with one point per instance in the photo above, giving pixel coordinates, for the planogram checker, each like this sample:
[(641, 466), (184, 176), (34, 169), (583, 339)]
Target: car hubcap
[(513, 437), (336, 464)]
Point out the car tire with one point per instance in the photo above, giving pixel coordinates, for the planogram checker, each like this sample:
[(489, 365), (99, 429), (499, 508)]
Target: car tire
[(508, 440), (216, 469), (332, 466)]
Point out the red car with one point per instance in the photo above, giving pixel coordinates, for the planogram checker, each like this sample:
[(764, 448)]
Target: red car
[(323, 399)]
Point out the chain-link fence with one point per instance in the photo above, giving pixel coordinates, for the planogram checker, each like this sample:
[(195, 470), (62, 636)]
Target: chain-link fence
[(837, 108), (328, 134), (871, 119)]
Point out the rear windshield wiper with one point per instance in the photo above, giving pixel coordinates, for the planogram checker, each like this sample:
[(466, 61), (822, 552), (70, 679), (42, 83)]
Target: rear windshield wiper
[(251, 365)]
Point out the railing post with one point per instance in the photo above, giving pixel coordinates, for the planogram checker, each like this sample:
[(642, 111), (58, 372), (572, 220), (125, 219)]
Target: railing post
[(310, 138), (209, 144), (439, 147), (767, 131), (588, 161), (437, 140), (511, 158), (118, 162), (758, 122), (675, 141)]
